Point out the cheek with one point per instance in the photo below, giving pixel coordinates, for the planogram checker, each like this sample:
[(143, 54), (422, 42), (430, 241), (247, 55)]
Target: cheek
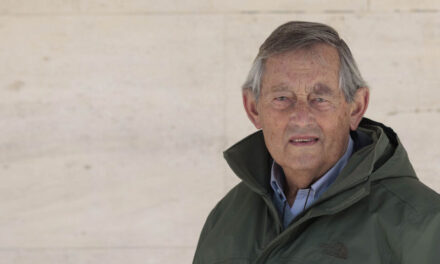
[(335, 127), (274, 130), (340, 134), (273, 127)]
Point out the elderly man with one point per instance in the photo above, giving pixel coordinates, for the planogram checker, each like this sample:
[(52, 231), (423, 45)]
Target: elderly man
[(320, 183)]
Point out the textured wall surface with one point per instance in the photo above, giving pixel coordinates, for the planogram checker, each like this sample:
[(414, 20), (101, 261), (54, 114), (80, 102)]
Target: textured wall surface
[(114, 113)]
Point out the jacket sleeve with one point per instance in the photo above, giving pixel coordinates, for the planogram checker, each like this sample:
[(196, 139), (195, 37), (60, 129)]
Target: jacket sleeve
[(209, 223), (422, 244)]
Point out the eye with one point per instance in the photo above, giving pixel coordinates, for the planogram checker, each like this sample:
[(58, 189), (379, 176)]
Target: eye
[(319, 100), (321, 103), (281, 102), (281, 98)]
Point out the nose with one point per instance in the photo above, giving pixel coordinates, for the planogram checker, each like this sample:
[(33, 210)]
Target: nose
[(301, 114)]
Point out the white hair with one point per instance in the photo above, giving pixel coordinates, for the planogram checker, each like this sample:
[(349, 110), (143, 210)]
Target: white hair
[(297, 35)]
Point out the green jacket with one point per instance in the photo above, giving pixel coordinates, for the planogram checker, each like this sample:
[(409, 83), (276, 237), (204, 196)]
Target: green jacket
[(376, 211)]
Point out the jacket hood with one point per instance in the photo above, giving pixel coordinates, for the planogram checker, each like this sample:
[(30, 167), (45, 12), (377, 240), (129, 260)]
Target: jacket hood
[(378, 154)]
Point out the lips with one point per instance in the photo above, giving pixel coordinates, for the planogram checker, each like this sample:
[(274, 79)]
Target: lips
[(303, 140)]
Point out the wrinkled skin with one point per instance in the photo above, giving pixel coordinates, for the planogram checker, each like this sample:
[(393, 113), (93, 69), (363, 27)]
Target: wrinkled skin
[(300, 99)]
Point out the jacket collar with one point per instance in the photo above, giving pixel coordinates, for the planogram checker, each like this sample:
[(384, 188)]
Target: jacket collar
[(377, 150), (250, 160)]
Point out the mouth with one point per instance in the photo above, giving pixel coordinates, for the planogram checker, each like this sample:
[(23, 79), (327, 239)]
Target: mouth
[(303, 141)]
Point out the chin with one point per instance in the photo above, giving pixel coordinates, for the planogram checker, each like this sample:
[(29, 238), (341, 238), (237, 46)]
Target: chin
[(304, 162), (304, 167)]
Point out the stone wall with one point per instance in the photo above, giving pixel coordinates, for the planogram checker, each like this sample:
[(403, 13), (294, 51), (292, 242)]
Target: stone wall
[(114, 114)]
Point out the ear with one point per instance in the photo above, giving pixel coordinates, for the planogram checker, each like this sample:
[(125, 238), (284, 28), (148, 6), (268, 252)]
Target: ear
[(359, 106), (250, 105)]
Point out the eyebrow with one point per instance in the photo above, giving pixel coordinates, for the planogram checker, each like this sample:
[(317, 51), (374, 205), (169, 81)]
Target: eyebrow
[(279, 88), (319, 89), (322, 89)]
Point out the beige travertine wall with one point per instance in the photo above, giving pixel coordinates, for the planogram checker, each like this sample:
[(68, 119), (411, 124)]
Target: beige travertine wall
[(114, 113)]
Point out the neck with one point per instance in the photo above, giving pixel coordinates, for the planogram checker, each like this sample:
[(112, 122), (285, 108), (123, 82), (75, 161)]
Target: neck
[(302, 179), (296, 180)]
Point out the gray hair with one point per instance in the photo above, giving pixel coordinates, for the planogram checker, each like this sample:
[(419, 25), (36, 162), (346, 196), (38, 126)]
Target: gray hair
[(297, 35)]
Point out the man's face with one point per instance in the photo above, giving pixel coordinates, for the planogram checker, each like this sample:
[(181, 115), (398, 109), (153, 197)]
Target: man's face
[(302, 111)]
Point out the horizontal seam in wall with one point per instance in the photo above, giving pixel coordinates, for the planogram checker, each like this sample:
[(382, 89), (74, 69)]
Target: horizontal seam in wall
[(92, 248), (239, 12)]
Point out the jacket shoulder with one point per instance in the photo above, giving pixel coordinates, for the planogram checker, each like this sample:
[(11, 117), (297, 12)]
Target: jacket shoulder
[(412, 193), (228, 224), (418, 208), (407, 213), (233, 203)]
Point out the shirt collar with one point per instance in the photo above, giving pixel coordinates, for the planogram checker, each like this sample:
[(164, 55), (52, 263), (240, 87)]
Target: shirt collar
[(278, 180)]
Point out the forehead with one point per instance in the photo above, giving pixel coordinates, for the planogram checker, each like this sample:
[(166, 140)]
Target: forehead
[(305, 67)]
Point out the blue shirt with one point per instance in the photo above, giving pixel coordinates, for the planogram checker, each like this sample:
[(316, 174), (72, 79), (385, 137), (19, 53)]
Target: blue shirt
[(304, 197)]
